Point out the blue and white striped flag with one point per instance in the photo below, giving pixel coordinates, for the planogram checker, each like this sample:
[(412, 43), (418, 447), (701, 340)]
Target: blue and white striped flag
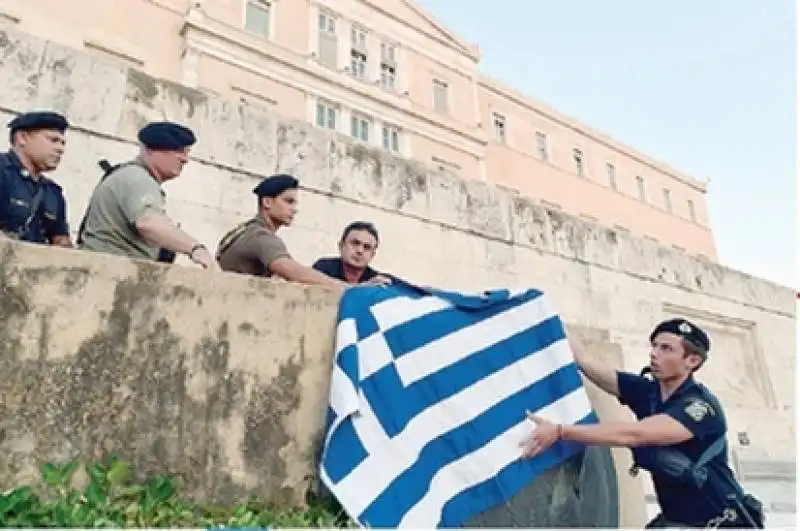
[(428, 399)]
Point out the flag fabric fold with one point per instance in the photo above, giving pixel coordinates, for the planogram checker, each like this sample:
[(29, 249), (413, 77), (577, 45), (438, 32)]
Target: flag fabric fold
[(428, 398)]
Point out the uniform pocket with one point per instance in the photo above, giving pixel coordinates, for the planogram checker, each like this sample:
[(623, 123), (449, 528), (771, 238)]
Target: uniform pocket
[(18, 210)]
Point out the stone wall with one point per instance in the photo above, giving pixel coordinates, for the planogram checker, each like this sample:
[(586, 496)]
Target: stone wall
[(219, 380), (222, 381), (435, 228)]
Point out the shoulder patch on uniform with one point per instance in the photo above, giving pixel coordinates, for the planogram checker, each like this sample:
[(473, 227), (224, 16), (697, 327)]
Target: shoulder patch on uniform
[(148, 201), (698, 408)]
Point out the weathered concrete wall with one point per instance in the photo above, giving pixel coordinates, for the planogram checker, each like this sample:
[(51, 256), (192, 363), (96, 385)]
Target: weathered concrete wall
[(221, 380), (435, 229)]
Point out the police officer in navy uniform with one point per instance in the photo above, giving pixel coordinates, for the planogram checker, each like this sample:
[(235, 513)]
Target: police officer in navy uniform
[(681, 425), (32, 207)]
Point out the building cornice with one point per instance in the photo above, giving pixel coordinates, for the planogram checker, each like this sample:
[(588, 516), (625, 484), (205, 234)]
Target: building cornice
[(584, 130), (446, 38), (409, 36), (221, 42)]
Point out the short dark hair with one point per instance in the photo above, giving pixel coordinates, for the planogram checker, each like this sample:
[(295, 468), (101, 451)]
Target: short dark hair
[(690, 348), (360, 225)]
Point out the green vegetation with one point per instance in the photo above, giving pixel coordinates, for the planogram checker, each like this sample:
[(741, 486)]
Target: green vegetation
[(112, 499)]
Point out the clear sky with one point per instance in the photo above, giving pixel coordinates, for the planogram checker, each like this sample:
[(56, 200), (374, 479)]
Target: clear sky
[(706, 86)]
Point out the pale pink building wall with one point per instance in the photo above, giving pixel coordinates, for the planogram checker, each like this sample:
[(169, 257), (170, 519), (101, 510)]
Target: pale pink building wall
[(204, 43)]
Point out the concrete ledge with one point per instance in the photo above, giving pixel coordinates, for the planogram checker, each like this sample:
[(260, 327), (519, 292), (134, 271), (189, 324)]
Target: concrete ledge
[(219, 379)]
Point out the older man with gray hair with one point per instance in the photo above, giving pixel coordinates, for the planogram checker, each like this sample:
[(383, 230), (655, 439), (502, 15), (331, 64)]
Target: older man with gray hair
[(127, 212)]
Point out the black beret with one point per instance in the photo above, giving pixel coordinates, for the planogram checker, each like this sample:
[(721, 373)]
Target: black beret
[(685, 329), (166, 135), (274, 185), (38, 120)]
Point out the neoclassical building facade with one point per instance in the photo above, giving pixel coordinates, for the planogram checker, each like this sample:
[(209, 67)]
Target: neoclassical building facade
[(389, 75)]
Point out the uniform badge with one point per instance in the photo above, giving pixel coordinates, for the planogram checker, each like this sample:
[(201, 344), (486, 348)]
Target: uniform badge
[(685, 328), (698, 409)]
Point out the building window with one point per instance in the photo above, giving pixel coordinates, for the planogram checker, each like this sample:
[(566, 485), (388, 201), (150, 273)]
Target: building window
[(327, 114), (640, 188), (440, 96), (256, 17), (577, 157), (612, 176), (667, 200), (358, 53), (692, 214), (391, 138), (499, 127), (388, 67), (328, 47), (541, 145), (359, 127)]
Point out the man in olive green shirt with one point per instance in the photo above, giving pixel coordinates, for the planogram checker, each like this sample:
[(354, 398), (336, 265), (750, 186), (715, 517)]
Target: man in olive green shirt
[(127, 212), (254, 248)]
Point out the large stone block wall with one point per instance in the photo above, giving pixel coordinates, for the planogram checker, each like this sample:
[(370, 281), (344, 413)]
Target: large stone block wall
[(435, 228)]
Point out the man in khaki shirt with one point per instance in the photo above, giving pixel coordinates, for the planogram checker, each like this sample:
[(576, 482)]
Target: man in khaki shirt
[(254, 248), (127, 212)]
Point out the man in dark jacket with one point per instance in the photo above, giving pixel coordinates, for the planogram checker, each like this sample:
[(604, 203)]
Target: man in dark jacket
[(357, 248)]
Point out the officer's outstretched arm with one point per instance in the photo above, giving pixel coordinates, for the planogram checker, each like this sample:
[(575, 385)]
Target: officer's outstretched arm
[(289, 269), (658, 430), (597, 372), (690, 417), (159, 229)]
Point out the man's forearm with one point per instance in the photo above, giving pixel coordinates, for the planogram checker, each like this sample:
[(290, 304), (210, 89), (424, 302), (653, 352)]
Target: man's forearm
[(292, 271), (159, 229), (307, 275), (599, 374), (619, 434)]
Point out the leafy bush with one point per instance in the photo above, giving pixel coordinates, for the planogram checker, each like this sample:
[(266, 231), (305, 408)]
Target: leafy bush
[(111, 499)]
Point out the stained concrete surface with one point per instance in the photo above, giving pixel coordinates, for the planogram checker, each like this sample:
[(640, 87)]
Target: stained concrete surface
[(219, 379), (219, 383)]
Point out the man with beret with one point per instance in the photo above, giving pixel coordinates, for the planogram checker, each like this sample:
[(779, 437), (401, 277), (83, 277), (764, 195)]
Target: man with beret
[(254, 248), (32, 207), (680, 423), (127, 216)]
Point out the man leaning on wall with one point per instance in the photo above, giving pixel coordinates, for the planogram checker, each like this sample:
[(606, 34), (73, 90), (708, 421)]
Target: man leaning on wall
[(357, 248), (33, 207), (127, 212), (254, 247)]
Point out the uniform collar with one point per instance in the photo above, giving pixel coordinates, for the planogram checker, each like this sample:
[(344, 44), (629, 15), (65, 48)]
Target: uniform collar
[(682, 389), (23, 172), (139, 161), (688, 384), (259, 220)]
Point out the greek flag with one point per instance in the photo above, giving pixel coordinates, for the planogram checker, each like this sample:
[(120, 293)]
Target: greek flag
[(428, 399)]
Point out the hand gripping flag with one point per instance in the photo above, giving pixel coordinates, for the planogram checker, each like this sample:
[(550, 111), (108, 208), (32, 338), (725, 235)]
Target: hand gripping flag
[(428, 398)]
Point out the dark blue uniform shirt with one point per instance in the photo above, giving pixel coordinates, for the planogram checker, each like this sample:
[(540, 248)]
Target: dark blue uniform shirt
[(17, 191), (700, 412)]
